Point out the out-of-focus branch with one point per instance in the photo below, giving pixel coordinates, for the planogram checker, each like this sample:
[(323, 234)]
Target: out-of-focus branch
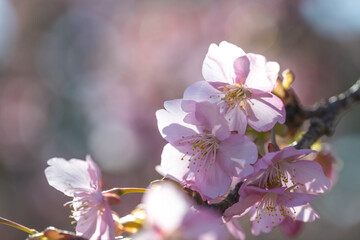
[(324, 116)]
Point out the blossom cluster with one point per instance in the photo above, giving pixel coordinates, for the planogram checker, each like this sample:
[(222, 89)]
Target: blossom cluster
[(208, 148), (212, 146)]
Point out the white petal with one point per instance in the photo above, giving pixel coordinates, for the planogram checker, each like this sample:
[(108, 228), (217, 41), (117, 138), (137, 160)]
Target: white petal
[(166, 207), (305, 213), (237, 119), (201, 91), (236, 154), (265, 111), (218, 64), (172, 114), (69, 177), (262, 74), (171, 164)]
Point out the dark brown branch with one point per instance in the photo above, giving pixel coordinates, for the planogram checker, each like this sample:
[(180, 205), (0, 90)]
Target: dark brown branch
[(325, 116), (231, 199)]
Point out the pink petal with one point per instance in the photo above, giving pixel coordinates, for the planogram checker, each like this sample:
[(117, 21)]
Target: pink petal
[(243, 206), (250, 190), (105, 227), (166, 206), (207, 117), (94, 172), (86, 225), (241, 68), (237, 119), (273, 69), (265, 112), (310, 173), (213, 182), (174, 132), (236, 229), (70, 176), (236, 154), (201, 91), (305, 213), (218, 63), (146, 234), (262, 74), (286, 154), (203, 224), (98, 224), (173, 115), (172, 165), (329, 163), (293, 199), (290, 153), (290, 228), (267, 223), (231, 51)]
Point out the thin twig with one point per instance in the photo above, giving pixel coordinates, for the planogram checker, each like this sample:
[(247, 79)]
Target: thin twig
[(325, 116)]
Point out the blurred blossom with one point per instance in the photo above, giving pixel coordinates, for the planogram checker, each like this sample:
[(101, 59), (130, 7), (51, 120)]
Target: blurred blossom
[(339, 20), (170, 215), (82, 180), (22, 116), (8, 27), (347, 190), (78, 78), (330, 163), (114, 145), (66, 54)]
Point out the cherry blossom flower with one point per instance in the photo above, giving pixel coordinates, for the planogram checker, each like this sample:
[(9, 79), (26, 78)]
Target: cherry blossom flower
[(235, 229), (286, 168), (202, 153), (241, 85), (329, 162), (269, 208), (292, 228), (82, 181), (170, 215)]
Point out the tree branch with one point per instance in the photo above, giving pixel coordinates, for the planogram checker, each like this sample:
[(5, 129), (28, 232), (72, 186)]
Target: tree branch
[(231, 199), (324, 117)]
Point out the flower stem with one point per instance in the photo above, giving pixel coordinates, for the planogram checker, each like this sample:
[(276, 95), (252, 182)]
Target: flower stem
[(17, 225), (123, 191), (273, 140)]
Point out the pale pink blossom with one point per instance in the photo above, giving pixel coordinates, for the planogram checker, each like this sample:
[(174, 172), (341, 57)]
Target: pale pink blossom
[(287, 167), (269, 208), (329, 162), (202, 153), (291, 228), (82, 180), (241, 85), (236, 230), (170, 215)]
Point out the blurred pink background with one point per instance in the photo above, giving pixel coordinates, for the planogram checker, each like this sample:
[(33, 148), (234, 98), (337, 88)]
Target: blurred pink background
[(86, 77)]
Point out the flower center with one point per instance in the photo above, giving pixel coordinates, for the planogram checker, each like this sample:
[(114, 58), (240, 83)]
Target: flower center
[(201, 150), (279, 175), (271, 213), (84, 204), (233, 96)]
